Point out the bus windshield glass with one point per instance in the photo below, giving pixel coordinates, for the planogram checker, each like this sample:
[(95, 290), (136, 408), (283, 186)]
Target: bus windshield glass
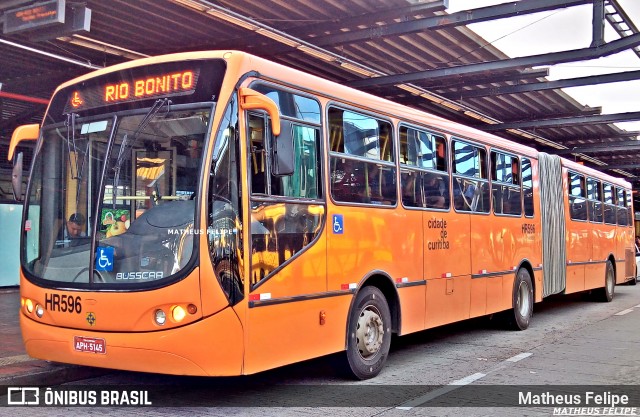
[(146, 210), (112, 195)]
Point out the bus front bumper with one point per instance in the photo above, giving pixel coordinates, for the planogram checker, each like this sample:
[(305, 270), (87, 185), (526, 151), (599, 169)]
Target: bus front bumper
[(212, 346)]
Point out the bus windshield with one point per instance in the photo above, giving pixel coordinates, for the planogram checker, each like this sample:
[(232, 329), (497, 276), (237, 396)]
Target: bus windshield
[(127, 181)]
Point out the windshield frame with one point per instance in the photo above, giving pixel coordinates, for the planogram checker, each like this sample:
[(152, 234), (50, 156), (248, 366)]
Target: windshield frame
[(115, 117)]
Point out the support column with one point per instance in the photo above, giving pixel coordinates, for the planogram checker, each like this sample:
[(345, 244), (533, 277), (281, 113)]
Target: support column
[(598, 24)]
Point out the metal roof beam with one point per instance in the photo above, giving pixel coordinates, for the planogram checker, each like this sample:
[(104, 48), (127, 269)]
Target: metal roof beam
[(473, 80), (629, 166), (597, 31), (547, 85), (579, 141), (20, 118), (612, 18), (565, 121), (464, 17), (609, 147), (369, 19), (583, 54)]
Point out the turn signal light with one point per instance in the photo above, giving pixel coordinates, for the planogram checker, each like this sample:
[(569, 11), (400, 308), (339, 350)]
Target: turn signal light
[(192, 309), (178, 313), (29, 304), (39, 311)]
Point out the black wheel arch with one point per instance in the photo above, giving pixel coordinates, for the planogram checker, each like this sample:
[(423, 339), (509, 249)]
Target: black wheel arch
[(383, 281), (526, 264)]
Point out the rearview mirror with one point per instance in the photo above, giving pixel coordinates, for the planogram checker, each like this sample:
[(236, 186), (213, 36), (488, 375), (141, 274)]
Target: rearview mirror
[(22, 133), (282, 151), (16, 177)]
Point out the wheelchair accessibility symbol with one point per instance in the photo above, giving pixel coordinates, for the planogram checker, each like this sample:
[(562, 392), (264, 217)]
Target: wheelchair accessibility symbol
[(338, 224), (104, 258)]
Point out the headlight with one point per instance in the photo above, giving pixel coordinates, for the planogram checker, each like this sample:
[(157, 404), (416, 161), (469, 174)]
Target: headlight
[(160, 317)]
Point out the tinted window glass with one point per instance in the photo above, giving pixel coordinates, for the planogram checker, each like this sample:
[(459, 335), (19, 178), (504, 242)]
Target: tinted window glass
[(358, 181), (360, 135), (609, 201), (305, 181), (622, 210), (527, 187), (577, 194), (422, 149), (469, 160), (470, 187), (594, 195), (293, 105), (425, 189)]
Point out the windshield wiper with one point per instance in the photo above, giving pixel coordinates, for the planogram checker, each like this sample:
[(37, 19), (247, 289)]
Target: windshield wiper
[(128, 144), (71, 141)]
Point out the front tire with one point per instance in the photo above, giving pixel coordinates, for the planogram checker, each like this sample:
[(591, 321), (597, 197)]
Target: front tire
[(369, 336), (605, 294), (522, 301)]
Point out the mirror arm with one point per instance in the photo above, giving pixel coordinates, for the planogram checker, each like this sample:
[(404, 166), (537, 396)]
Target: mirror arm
[(254, 100), (21, 133)]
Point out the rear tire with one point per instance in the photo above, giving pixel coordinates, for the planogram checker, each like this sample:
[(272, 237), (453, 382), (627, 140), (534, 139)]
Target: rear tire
[(605, 294), (369, 336), (634, 281), (520, 316)]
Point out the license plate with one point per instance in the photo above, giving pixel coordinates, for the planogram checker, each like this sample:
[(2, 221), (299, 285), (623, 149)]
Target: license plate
[(89, 344)]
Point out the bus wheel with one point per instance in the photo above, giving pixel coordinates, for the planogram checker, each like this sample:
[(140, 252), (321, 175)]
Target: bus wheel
[(605, 294), (369, 333), (520, 315), (635, 278)]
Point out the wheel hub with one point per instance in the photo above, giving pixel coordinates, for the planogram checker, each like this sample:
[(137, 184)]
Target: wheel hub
[(369, 333)]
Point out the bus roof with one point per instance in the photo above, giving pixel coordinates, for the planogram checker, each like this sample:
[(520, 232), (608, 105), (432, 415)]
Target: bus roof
[(246, 62)]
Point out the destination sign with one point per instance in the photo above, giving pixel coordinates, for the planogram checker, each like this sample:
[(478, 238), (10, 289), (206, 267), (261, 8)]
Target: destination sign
[(123, 90), (35, 16)]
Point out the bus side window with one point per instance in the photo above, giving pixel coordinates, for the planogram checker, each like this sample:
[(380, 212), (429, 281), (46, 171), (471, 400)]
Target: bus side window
[(577, 197), (470, 186), (257, 129), (421, 151), (361, 161), (609, 204), (622, 209), (594, 197), (527, 187), (505, 189)]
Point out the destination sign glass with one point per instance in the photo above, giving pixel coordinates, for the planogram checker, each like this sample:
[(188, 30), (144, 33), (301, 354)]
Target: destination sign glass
[(35, 16), (181, 81), (127, 89)]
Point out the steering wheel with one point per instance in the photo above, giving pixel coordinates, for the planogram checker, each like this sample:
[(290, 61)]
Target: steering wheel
[(100, 279)]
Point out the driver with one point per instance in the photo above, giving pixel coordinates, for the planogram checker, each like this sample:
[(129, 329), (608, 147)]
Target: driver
[(75, 226)]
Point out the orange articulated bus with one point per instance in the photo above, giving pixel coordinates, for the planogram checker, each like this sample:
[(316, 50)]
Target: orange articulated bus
[(231, 215)]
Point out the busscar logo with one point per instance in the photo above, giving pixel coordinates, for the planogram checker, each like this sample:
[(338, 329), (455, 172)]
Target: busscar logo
[(23, 396)]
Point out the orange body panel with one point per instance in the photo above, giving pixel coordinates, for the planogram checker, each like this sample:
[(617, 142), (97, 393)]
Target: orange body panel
[(286, 333), (211, 346), (120, 311)]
